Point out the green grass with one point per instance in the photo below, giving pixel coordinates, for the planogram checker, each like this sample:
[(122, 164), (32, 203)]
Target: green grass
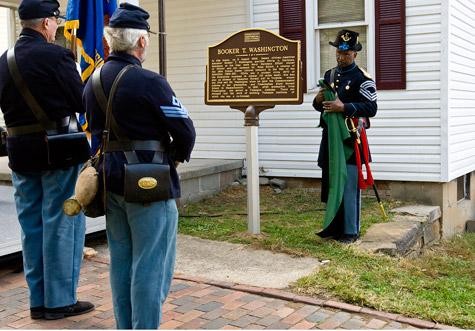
[(438, 286)]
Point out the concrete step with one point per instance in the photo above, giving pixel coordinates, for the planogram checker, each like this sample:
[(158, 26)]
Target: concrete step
[(411, 230), (199, 178)]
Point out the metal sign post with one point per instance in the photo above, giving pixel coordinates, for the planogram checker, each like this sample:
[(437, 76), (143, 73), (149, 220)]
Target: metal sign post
[(253, 70), (251, 122), (252, 157)]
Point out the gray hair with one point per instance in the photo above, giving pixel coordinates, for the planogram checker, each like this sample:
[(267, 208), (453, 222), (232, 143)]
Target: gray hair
[(32, 24), (123, 39)]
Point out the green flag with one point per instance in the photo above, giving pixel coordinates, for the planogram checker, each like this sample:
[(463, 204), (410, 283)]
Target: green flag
[(338, 154)]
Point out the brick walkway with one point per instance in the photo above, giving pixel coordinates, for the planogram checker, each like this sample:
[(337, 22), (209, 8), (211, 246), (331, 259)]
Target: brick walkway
[(200, 304)]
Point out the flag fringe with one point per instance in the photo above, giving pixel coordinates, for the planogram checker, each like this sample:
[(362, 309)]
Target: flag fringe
[(68, 27)]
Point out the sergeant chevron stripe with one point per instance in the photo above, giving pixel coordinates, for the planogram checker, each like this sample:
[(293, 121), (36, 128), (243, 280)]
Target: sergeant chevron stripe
[(176, 112), (368, 90)]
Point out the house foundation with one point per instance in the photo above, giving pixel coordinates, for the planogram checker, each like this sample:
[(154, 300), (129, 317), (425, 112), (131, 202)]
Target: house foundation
[(455, 198)]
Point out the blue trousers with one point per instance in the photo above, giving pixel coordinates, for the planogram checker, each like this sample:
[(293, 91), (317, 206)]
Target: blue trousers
[(352, 202), (142, 244), (52, 242)]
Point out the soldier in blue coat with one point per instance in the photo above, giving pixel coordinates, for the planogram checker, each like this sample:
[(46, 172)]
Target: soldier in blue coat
[(52, 242), (141, 237), (356, 99)]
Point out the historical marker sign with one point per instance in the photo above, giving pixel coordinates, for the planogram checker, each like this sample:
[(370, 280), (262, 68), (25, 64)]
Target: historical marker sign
[(254, 67)]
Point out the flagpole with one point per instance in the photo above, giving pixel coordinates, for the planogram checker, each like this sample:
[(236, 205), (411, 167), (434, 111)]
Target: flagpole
[(74, 47), (162, 39)]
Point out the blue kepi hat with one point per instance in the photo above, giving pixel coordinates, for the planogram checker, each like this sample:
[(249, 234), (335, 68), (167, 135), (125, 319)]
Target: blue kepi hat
[(130, 16), (31, 9)]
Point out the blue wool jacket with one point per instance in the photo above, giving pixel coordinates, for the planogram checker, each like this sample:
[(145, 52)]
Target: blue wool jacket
[(145, 108)]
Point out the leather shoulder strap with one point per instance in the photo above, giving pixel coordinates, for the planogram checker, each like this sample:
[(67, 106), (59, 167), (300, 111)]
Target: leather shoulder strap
[(98, 90), (26, 93), (110, 120), (109, 115), (130, 155), (103, 101), (332, 77)]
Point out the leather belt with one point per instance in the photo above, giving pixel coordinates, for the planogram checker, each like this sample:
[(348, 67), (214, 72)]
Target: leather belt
[(132, 145), (36, 128), (24, 130)]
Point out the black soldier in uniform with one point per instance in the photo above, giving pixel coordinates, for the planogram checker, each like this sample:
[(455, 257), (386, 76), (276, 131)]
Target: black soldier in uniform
[(356, 99), (52, 242), (141, 237)]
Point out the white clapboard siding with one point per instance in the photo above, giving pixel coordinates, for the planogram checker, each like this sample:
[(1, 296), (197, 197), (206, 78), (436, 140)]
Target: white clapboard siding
[(461, 101), (406, 133), (265, 13), (192, 26)]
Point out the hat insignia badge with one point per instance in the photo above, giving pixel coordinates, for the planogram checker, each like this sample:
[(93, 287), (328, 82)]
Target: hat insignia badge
[(346, 37)]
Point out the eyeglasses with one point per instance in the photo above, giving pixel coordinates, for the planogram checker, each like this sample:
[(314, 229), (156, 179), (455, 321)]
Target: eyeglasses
[(58, 19)]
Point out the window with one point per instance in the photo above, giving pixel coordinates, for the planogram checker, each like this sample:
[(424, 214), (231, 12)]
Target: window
[(327, 52), (380, 23), (334, 15), (334, 11), (463, 187)]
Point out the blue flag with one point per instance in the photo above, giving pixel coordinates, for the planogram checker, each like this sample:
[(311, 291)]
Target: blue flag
[(88, 18)]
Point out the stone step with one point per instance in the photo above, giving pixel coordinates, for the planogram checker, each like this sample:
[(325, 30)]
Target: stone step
[(422, 213), (411, 230)]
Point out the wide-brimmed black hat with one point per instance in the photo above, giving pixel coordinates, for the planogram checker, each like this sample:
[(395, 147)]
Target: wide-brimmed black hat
[(31, 9), (347, 40), (130, 16)]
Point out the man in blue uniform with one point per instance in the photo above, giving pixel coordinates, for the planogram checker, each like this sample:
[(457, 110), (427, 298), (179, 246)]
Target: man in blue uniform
[(356, 99), (52, 242), (141, 236)]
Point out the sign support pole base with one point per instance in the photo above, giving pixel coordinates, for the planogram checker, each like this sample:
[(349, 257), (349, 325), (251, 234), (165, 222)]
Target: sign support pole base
[(253, 208), (251, 122)]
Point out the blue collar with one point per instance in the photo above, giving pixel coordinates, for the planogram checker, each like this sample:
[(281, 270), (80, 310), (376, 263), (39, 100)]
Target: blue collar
[(346, 69), (27, 32), (124, 57)]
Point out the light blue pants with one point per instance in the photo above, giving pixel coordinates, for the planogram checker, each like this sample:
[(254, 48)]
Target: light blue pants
[(142, 244), (52, 242), (352, 201)]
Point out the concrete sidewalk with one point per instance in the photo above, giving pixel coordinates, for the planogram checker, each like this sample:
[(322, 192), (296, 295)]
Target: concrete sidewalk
[(199, 303)]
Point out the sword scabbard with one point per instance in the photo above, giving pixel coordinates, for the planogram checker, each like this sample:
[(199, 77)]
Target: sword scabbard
[(353, 130)]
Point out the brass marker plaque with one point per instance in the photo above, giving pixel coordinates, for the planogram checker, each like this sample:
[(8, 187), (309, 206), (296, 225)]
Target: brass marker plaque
[(254, 67)]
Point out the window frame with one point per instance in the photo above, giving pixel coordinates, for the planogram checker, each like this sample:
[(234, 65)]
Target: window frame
[(11, 23), (313, 40)]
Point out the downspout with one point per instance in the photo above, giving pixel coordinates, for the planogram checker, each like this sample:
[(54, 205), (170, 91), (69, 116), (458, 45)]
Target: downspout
[(162, 46), (250, 11)]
